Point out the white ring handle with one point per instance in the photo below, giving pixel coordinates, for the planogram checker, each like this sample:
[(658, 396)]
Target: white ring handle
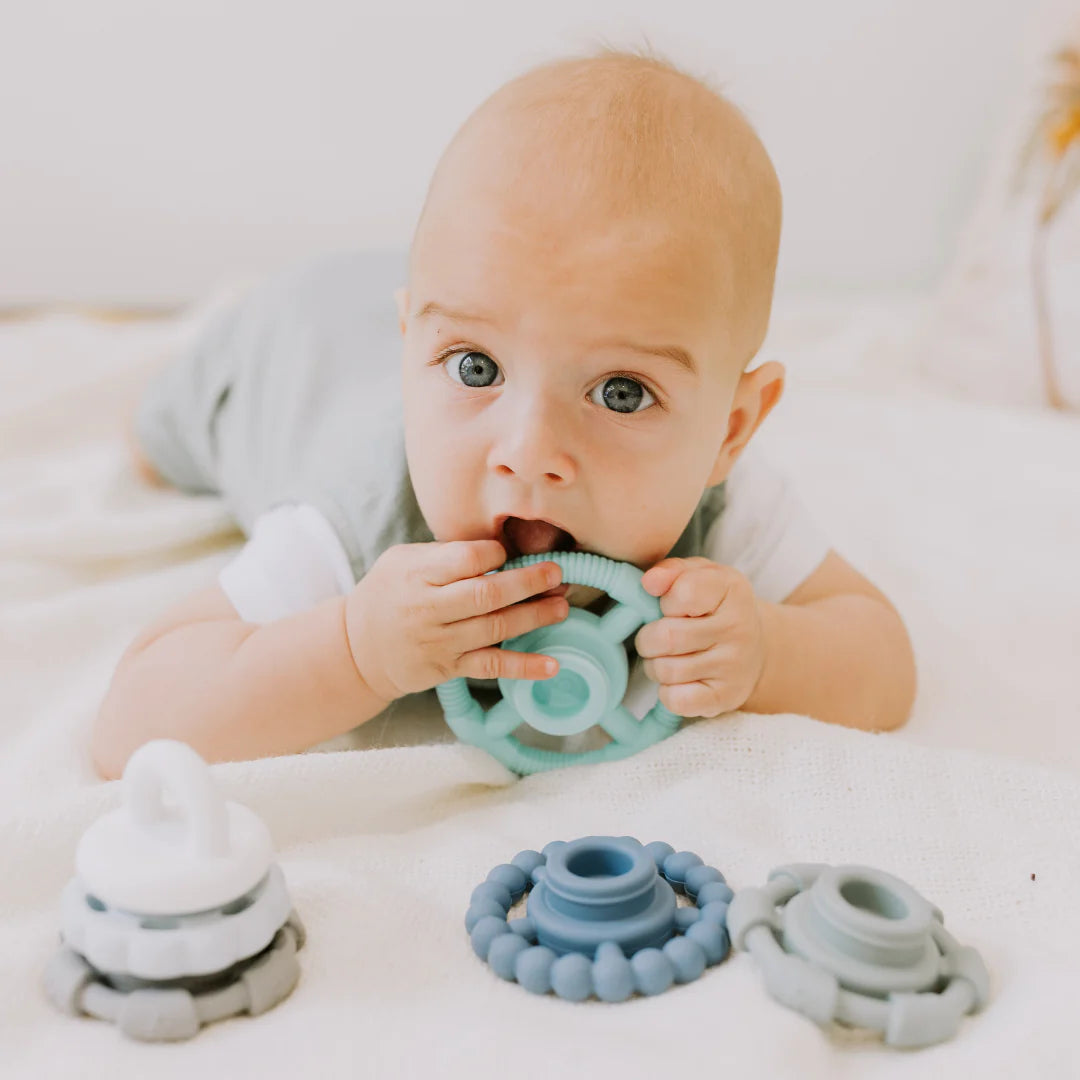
[(171, 764)]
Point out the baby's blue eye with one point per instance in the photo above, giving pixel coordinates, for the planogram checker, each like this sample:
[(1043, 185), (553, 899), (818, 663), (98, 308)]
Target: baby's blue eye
[(622, 394), (472, 368)]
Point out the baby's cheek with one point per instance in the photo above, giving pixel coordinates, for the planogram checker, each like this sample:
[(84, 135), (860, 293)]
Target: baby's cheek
[(436, 503)]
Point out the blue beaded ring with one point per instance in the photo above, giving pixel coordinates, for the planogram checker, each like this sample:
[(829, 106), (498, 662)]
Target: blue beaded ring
[(601, 919)]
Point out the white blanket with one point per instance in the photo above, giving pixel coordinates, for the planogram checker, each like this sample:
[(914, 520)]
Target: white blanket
[(969, 518)]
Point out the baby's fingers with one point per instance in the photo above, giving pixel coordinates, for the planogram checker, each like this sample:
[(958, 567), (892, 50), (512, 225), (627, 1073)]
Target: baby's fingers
[(455, 560), (695, 699), (694, 587), (508, 622), (503, 664), (676, 636), (489, 593)]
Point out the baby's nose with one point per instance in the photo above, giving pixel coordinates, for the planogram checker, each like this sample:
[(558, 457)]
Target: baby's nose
[(534, 449)]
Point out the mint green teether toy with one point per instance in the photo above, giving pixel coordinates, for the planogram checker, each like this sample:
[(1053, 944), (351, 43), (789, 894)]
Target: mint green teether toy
[(589, 687)]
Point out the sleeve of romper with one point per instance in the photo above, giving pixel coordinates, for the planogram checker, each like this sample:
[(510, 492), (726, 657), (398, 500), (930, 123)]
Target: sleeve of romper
[(765, 531), (292, 561), (177, 414)]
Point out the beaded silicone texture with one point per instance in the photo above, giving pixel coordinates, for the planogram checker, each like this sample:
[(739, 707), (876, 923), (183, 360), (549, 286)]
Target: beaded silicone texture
[(168, 948), (699, 936), (153, 1013)]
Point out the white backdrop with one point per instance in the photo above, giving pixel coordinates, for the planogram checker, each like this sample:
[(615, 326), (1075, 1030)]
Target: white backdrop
[(149, 148)]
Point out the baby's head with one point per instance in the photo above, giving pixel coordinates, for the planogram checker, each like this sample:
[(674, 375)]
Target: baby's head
[(591, 274)]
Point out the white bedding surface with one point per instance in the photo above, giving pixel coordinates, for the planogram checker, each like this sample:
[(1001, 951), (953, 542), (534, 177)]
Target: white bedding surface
[(967, 516)]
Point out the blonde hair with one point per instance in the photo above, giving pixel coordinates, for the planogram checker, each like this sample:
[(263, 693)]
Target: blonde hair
[(629, 131)]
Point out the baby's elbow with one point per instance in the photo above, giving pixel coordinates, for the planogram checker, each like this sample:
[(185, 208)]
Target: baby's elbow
[(904, 682), (886, 718), (893, 720), (115, 733), (106, 766), (108, 752), (907, 706)]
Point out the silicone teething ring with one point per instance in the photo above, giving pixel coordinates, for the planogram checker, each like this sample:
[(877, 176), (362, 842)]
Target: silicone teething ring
[(602, 918), (594, 682), (857, 945)]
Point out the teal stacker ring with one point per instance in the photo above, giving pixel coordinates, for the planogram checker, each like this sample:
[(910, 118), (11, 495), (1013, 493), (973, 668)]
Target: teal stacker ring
[(589, 687), (602, 918)]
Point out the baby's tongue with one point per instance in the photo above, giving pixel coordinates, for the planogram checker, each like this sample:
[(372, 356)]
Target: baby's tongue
[(533, 537)]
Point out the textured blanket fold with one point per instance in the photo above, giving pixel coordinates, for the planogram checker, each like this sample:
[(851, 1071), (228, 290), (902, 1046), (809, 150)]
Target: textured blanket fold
[(967, 517)]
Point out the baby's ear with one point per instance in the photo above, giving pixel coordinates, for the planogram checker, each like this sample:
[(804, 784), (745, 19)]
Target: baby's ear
[(401, 298), (755, 396)]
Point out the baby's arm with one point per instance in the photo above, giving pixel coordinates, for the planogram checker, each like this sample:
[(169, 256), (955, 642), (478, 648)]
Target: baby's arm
[(231, 689), (838, 650), (424, 613), (773, 619), (834, 649)]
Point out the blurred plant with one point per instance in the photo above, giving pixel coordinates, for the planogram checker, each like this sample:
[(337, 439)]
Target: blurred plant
[(1053, 152)]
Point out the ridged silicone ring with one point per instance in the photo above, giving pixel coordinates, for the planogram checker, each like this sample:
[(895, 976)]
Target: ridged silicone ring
[(595, 675)]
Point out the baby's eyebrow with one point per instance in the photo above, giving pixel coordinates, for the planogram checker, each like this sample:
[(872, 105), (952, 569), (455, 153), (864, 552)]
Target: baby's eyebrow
[(432, 307), (668, 352)]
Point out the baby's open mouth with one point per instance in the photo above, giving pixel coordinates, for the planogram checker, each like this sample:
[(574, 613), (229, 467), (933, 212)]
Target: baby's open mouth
[(523, 536)]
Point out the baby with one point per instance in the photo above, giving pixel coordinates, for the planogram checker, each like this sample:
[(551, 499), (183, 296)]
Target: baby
[(590, 277)]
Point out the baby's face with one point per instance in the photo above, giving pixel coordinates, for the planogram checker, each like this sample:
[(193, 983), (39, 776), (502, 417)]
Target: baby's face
[(574, 374)]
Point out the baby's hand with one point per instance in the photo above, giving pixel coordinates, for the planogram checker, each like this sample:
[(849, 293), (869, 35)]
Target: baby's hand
[(425, 613), (708, 651)]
